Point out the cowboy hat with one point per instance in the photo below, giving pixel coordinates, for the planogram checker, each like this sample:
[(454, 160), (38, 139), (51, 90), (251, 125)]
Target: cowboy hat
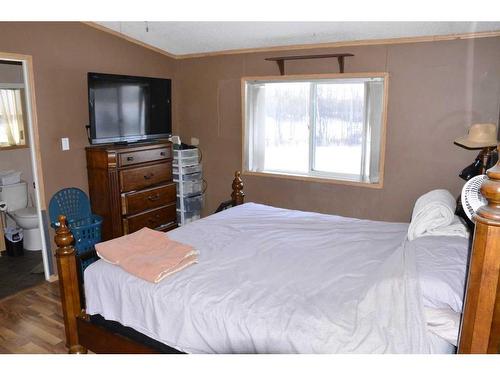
[(480, 136)]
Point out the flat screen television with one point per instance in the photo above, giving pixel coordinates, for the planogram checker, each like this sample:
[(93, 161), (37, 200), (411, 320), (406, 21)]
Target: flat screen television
[(128, 109)]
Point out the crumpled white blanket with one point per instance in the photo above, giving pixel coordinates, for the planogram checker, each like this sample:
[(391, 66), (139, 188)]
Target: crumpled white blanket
[(434, 215)]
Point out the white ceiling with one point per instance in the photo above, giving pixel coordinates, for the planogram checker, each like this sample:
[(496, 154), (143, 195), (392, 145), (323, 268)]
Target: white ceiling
[(180, 38)]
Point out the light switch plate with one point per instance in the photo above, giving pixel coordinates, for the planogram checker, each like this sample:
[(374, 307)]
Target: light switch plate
[(65, 144)]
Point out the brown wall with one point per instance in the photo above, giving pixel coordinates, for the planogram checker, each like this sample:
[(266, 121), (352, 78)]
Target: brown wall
[(436, 90), (63, 53)]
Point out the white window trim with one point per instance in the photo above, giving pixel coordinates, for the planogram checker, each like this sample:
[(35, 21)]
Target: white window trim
[(333, 178)]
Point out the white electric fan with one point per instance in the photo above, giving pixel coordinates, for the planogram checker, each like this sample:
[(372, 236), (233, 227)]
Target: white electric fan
[(472, 199)]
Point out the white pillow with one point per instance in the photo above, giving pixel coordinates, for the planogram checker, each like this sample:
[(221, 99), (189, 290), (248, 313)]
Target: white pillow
[(442, 264)]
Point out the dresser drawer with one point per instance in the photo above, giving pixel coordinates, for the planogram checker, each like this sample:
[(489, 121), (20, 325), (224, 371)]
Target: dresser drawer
[(154, 219), (133, 203), (142, 177), (136, 157)]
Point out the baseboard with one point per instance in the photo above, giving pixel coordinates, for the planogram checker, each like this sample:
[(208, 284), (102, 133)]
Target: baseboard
[(53, 278)]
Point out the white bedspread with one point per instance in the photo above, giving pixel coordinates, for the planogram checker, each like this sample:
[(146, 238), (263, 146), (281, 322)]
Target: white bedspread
[(272, 280)]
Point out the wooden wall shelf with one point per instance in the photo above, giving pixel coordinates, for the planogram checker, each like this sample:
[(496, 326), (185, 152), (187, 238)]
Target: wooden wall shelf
[(281, 60)]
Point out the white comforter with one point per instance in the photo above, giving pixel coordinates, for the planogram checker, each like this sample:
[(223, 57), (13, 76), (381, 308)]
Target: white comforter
[(272, 280)]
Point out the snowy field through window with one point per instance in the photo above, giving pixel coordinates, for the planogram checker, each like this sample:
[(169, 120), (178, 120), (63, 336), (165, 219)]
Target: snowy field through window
[(328, 128)]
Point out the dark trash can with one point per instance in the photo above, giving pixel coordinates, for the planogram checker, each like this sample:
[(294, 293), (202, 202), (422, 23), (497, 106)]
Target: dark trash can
[(14, 242)]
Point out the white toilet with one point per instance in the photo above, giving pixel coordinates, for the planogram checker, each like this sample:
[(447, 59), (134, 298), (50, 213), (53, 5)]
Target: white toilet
[(16, 197)]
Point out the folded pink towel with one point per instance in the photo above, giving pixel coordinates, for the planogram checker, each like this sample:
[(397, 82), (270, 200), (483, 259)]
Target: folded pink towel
[(148, 254)]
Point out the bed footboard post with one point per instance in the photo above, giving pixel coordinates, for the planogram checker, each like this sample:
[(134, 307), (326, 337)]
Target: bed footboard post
[(68, 284), (480, 331), (238, 196)]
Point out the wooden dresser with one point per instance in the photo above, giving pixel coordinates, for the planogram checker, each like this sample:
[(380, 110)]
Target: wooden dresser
[(131, 187)]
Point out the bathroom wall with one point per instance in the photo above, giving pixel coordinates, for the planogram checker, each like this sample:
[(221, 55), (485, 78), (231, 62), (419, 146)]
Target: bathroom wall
[(19, 158)]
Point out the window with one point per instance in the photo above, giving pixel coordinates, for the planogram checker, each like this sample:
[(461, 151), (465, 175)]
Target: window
[(327, 128), (12, 132)]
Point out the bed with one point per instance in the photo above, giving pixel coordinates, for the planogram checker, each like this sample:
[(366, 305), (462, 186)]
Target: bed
[(271, 280)]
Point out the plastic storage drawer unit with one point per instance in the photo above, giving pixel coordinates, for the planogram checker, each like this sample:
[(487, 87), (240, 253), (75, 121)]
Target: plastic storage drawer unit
[(189, 177), (187, 170), (186, 161), (191, 203), (187, 153), (187, 173), (191, 187), (188, 216)]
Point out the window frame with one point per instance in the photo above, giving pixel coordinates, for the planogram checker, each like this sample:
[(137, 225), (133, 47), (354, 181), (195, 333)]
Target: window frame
[(22, 88), (313, 178)]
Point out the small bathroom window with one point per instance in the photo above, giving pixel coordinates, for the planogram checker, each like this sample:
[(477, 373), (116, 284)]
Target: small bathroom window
[(12, 129)]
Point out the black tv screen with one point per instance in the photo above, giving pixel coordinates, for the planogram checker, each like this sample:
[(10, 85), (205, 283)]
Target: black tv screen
[(128, 108)]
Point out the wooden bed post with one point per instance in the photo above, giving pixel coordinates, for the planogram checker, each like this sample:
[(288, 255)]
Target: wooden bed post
[(68, 284), (238, 196), (480, 331)]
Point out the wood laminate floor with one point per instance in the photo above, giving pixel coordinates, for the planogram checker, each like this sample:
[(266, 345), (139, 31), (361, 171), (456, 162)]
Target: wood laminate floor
[(31, 321)]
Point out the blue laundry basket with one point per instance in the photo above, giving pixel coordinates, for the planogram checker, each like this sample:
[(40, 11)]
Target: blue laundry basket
[(85, 226)]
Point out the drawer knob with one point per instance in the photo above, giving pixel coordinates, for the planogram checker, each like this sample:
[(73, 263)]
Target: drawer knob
[(148, 176), (162, 153), (130, 158), (153, 198)]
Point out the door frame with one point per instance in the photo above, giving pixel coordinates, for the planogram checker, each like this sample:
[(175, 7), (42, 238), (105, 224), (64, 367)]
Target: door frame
[(36, 159)]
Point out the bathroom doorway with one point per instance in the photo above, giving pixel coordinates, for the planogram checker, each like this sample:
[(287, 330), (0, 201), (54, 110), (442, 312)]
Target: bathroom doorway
[(25, 258)]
